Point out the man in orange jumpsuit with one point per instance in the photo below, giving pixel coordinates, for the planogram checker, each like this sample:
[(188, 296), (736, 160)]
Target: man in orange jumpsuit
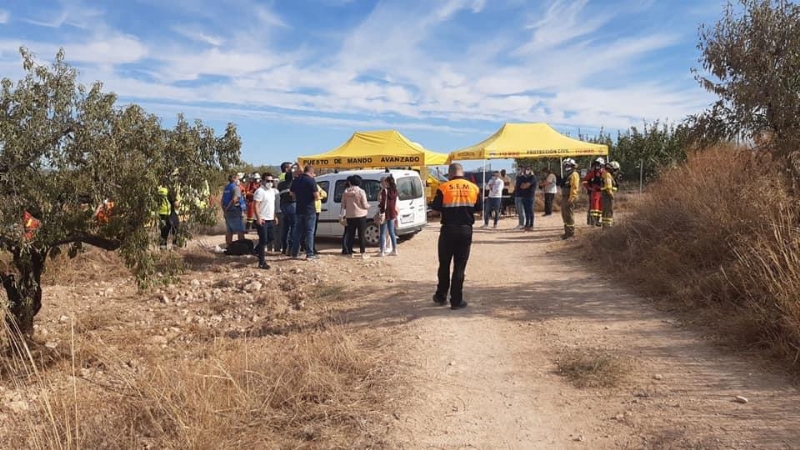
[(593, 182)]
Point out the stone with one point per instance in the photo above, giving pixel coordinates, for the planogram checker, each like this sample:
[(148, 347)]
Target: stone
[(579, 438), (195, 283), (51, 345), (740, 399), (63, 319), (658, 376), (253, 286), (164, 299)]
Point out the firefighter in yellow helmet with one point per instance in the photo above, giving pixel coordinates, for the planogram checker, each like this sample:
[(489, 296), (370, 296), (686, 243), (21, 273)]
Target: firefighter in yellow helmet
[(569, 194), (608, 190)]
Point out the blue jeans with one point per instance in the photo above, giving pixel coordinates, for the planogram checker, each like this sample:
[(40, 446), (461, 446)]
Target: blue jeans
[(520, 207), (492, 205), (305, 225), (287, 229), (387, 226), (527, 204), (266, 234)]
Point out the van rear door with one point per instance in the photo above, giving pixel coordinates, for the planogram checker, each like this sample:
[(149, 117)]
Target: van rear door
[(411, 201)]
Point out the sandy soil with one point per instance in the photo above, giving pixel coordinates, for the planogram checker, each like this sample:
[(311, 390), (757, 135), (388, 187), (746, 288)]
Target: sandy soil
[(486, 377)]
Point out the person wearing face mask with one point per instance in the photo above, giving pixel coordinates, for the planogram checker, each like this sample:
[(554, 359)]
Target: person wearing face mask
[(526, 186), (264, 219), (494, 203)]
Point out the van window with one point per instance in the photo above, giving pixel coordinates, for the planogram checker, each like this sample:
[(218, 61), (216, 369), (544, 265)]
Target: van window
[(337, 194), (371, 187), (409, 188), (324, 185)]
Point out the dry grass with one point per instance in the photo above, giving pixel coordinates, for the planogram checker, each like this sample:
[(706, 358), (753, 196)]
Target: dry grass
[(592, 368), (109, 384), (302, 391), (717, 236)]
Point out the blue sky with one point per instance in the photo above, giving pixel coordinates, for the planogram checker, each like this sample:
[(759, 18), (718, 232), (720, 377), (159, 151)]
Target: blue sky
[(299, 77)]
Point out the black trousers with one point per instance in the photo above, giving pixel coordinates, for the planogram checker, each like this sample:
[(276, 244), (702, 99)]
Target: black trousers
[(167, 228), (454, 246), (548, 203), (357, 224)]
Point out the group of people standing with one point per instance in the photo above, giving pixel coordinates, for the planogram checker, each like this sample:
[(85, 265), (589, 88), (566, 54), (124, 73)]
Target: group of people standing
[(600, 183), (354, 210), (524, 192), (458, 200), (284, 215)]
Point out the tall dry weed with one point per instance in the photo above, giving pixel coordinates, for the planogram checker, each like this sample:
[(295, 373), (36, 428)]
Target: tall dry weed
[(720, 235), (302, 391)]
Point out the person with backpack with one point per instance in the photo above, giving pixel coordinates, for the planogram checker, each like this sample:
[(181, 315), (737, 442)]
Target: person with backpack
[(233, 205)]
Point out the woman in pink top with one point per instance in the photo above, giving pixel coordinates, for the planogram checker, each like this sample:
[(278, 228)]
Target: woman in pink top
[(355, 208), (387, 204)]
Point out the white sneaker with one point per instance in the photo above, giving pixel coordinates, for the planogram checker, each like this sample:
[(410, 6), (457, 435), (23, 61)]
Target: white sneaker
[(381, 254)]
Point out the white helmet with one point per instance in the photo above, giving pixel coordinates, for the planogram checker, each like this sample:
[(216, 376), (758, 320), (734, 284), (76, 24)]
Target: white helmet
[(257, 176), (613, 165), (600, 160), (569, 162)]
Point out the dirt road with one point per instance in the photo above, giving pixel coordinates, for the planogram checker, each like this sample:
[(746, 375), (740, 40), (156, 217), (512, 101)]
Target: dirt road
[(487, 377)]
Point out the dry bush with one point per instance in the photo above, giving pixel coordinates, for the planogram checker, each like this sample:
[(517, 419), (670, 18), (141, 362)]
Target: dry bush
[(717, 235), (592, 368), (304, 391)]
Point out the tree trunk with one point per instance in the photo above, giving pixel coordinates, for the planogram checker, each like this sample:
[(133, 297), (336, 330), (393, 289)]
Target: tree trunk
[(24, 291)]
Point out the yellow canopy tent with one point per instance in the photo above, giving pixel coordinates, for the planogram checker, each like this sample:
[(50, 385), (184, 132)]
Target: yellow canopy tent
[(528, 140), (375, 149)]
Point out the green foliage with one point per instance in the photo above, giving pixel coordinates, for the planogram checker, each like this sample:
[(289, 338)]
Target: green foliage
[(65, 147), (751, 59), (656, 145)]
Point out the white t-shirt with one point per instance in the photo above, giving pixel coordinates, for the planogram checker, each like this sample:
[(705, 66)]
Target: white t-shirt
[(496, 186), (551, 188), (266, 207)]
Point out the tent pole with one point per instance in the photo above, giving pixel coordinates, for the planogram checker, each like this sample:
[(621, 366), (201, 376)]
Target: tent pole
[(483, 191), (561, 166)]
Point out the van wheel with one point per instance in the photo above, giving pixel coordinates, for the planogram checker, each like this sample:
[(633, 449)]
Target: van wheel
[(371, 234)]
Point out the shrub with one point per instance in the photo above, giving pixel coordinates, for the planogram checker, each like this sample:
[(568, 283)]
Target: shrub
[(718, 234)]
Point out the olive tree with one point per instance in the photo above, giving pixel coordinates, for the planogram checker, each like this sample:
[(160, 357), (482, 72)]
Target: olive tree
[(64, 149), (751, 62)]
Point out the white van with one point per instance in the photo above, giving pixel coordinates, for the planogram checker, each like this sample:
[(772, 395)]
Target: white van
[(410, 202)]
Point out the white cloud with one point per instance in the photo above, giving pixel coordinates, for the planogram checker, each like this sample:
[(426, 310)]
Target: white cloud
[(5, 16), (562, 68), (198, 36)]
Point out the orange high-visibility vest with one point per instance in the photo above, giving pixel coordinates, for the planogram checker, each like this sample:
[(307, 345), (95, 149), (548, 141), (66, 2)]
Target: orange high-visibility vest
[(30, 224)]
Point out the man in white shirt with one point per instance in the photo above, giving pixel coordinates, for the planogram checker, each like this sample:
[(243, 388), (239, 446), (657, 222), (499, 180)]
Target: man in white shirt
[(550, 187), (494, 202), (265, 218)]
